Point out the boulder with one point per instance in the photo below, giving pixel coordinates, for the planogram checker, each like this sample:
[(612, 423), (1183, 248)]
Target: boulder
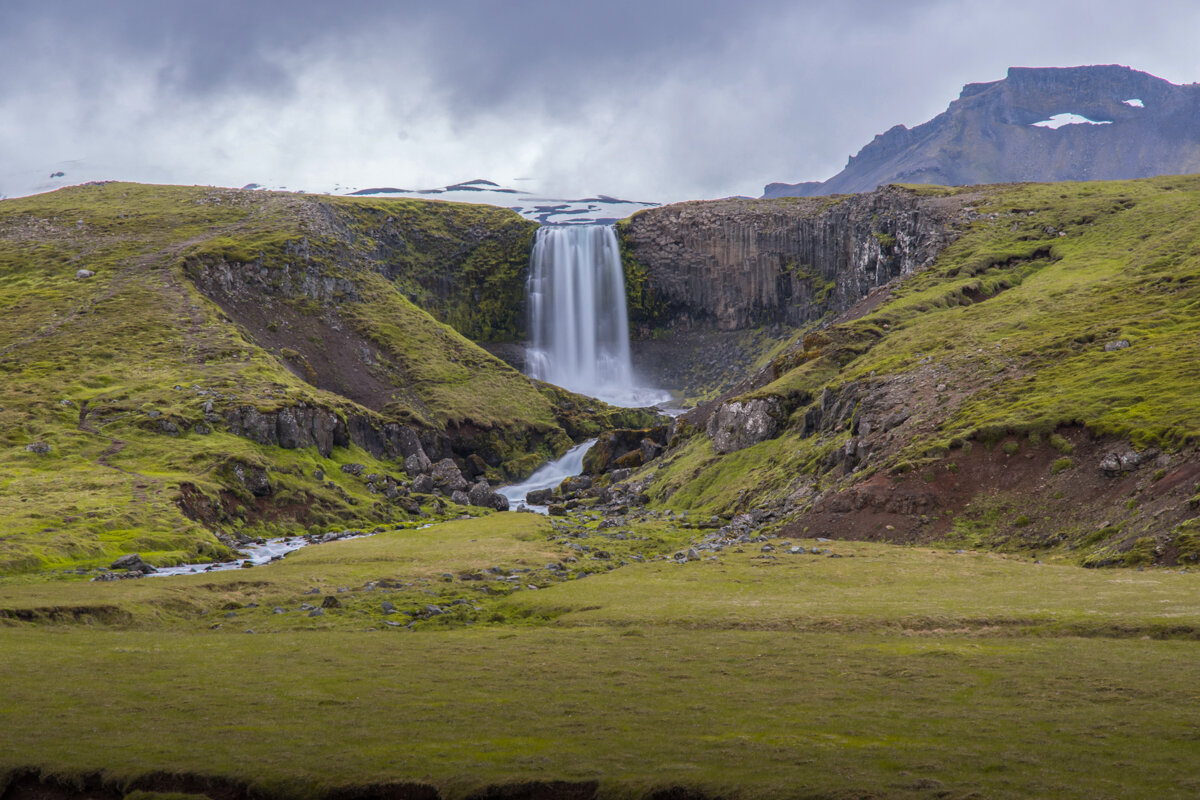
[(741, 423), (422, 484), (540, 497), (461, 498), (417, 464), (253, 478), (484, 496), (576, 483), (133, 563), (623, 448), (447, 477)]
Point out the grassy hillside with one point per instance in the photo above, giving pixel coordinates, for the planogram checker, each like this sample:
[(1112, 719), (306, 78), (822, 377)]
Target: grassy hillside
[(1057, 332), (115, 389)]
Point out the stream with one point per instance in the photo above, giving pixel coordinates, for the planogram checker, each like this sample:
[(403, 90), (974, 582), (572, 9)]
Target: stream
[(547, 476)]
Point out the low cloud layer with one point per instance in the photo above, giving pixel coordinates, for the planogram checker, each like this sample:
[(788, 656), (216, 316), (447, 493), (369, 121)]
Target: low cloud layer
[(650, 100)]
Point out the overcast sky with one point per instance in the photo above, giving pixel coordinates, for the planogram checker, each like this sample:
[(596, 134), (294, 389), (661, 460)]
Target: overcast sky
[(652, 100)]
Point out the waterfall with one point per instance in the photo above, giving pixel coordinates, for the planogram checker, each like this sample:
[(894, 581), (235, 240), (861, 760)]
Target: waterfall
[(578, 324)]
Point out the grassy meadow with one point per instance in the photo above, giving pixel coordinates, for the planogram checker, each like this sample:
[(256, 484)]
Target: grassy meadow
[(885, 671)]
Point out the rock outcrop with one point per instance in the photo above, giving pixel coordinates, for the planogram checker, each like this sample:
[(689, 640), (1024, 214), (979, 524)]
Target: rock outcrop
[(1126, 124), (737, 263), (303, 425), (625, 448), (739, 424)]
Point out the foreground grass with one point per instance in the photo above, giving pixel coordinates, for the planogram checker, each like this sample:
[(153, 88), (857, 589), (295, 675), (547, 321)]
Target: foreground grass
[(740, 712), (888, 672)]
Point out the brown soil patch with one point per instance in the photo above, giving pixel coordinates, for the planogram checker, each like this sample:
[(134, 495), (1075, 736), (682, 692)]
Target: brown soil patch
[(1015, 499)]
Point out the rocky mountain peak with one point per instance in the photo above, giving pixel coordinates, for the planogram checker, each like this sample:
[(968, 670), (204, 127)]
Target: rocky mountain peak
[(1037, 124)]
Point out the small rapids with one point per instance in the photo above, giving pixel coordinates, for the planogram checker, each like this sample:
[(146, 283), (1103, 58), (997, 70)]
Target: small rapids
[(547, 476)]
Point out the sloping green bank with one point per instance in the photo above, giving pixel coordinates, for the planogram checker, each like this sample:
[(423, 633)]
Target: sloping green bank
[(1056, 339)]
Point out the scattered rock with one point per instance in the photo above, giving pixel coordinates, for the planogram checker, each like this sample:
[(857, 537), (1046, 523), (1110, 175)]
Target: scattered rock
[(1118, 462), (331, 602), (352, 469), (40, 448), (84, 273), (1119, 344)]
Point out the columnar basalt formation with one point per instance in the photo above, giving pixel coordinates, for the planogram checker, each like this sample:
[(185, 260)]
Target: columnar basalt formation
[(739, 263)]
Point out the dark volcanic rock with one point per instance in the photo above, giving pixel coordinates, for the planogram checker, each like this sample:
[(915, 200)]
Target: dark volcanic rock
[(447, 477), (623, 448), (540, 497), (132, 562), (988, 134), (738, 263)]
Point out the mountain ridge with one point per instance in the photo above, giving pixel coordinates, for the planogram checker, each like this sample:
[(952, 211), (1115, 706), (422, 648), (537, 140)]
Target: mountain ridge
[(996, 132)]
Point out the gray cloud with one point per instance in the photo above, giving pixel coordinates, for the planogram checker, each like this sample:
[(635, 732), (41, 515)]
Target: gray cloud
[(659, 100)]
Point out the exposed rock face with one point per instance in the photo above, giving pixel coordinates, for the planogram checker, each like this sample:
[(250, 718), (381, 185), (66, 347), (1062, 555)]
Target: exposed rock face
[(732, 264), (742, 423), (308, 426), (988, 134)]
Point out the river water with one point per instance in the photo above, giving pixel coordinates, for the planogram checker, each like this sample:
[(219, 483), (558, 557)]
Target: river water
[(547, 476)]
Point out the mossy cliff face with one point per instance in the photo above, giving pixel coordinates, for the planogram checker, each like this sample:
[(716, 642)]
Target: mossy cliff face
[(181, 367)]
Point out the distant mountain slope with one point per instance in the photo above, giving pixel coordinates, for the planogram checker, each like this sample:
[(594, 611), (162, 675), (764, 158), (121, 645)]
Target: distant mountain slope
[(1051, 124)]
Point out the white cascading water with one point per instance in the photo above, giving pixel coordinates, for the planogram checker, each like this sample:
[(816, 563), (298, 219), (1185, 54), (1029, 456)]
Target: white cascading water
[(547, 476), (578, 323)]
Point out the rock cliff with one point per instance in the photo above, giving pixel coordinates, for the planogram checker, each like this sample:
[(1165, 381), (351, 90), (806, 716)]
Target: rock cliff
[(737, 263), (1125, 124)]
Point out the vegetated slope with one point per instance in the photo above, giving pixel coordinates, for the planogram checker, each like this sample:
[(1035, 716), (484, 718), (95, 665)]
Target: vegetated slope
[(1034, 387), (1123, 124), (232, 349)]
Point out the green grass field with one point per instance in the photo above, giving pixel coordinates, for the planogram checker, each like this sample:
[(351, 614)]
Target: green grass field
[(888, 672)]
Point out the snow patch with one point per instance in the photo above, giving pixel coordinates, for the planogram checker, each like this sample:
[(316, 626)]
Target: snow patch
[(1134, 102), (1059, 120)]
